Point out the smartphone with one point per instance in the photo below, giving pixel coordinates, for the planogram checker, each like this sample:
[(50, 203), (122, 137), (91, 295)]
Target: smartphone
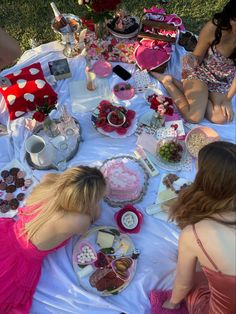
[(121, 72)]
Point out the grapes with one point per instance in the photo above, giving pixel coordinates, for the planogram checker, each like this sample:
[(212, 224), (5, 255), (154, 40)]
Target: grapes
[(171, 151)]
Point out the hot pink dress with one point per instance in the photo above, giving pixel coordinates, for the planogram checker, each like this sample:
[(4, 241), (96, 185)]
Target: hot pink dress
[(214, 293), (20, 265)]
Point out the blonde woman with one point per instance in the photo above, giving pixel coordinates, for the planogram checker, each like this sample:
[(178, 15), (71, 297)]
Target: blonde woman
[(206, 211), (60, 206)]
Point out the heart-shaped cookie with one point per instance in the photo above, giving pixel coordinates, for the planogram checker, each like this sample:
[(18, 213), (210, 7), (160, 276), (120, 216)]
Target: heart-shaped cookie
[(11, 99), (29, 97)]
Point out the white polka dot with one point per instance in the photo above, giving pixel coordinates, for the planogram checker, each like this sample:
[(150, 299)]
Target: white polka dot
[(29, 97), (33, 71), (11, 99), (21, 83), (40, 83), (19, 113), (17, 73)]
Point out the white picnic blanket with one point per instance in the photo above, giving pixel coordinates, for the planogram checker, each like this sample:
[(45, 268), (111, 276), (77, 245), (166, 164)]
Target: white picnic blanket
[(58, 291)]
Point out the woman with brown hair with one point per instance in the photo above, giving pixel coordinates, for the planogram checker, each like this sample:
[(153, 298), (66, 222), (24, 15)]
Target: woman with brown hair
[(206, 211), (208, 75)]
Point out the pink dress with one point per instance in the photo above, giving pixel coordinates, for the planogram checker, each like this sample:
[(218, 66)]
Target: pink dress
[(20, 265), (214, 293)]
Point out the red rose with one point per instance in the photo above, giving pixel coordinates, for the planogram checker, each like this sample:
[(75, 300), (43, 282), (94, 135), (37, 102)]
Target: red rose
[(39, 116), (169, 111)]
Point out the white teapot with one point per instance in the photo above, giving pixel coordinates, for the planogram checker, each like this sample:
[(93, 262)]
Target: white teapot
[(41, 153)]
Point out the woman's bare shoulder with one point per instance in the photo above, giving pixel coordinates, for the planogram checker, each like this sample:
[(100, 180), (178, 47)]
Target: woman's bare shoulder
[(208, 30), (75, 223)]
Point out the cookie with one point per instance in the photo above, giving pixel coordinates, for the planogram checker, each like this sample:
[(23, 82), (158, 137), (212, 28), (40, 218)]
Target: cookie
[(14, 171), (11, 188), (20, 174), (9, 179), (20, 182), (28, 182), (20, 196), (5, 173), (3, 186), (14, 203)]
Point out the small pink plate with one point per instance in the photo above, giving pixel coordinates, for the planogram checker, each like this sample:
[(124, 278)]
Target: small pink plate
[(102, 68), (123, 93)]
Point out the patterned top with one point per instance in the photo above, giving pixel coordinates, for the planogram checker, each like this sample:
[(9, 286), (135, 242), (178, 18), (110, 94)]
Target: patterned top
[(216, 71)]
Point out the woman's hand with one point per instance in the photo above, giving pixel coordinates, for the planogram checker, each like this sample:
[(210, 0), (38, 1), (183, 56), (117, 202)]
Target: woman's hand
[(170, 306), (227, 110)]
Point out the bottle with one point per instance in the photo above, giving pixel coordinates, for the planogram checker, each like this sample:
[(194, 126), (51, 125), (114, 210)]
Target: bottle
[(61, 23)]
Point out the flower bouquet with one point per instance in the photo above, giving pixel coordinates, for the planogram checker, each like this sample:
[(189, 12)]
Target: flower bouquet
[(43, 108), (114, 118), (161, 104)]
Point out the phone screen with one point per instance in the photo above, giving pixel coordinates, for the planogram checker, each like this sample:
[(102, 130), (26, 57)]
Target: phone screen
[(121, 72)]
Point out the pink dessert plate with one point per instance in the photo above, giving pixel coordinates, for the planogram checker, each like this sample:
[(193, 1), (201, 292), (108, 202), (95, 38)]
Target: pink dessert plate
[(124, 93), (122, 222), (102, 68)]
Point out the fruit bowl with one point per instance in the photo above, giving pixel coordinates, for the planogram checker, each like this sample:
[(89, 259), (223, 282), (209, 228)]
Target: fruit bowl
[(170, 150), (116, 118)]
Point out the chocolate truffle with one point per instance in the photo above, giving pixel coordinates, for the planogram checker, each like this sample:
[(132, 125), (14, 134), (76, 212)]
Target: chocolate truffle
[(5, 173), (3, 186), (20, 182), (20, 196), (14, 171), (14, 203), (10, 188)]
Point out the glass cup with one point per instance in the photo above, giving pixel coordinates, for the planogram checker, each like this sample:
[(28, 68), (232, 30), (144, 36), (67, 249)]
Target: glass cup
[(62, 148)]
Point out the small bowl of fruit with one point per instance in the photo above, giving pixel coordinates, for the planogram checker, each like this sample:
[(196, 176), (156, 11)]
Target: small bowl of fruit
[(170, 150), (116, 118)]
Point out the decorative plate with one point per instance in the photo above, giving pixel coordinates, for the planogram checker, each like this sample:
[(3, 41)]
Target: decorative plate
[(102, 68), (123, 91), (114, 268), (23, 175), (133, 165), (114, 134), (71, 153), (170, 166)]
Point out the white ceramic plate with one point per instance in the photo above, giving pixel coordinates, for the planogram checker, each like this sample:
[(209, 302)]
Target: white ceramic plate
[(129, 220)]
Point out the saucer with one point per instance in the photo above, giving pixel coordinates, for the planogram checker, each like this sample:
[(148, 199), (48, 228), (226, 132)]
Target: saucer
[(102, 68), (123, 93)]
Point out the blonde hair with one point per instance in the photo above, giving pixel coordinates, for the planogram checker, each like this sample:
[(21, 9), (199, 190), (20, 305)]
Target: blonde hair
[(213, 190), (78, 189)]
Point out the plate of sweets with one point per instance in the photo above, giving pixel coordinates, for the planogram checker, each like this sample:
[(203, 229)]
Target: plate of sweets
[(126, 178), (124, 91), (114, 120), (15, 184), (104, 261)]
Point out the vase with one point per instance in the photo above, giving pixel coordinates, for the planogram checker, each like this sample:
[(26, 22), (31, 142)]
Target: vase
[(157, 120), (51, 127), (101, 29)]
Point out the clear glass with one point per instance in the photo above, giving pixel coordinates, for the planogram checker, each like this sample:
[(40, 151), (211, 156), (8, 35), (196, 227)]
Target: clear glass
[(62, 149)]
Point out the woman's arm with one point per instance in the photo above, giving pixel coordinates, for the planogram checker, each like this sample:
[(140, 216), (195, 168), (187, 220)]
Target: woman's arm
[(9, 49), (185, 271), (205, 39)]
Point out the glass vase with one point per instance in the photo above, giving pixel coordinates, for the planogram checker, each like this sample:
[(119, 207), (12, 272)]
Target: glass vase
[(157, 120), (50, 127), (101, 30)]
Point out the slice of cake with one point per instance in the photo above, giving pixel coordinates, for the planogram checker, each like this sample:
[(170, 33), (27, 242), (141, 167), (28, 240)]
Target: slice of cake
[(123, 183)]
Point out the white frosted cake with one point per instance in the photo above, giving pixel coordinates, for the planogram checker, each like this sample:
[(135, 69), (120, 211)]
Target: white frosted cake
[(123, 182)]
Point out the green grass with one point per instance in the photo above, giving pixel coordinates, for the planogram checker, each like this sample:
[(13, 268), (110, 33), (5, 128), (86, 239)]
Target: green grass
[(26, 19)]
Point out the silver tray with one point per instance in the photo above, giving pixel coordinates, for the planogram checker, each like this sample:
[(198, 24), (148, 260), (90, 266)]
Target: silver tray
[(116, 203), (69, 157)]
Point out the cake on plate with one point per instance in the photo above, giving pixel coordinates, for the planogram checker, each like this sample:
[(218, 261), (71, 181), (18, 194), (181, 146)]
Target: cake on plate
[(123, 182)]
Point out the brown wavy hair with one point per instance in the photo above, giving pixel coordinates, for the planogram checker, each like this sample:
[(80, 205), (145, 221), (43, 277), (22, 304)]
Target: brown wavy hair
[(213, 190)]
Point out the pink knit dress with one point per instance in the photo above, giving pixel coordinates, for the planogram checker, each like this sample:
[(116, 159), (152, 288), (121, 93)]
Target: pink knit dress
[(20, 265)]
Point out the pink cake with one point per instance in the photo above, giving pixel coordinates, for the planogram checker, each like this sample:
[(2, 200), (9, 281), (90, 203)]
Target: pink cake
[(123, 183)]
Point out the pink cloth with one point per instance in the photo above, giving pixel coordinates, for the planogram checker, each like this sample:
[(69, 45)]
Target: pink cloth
[(157, 298), (20, 265)]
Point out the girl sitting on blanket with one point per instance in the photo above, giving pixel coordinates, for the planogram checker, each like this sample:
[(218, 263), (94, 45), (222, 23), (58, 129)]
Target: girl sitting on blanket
[(60, 206), (208, 75), (206, 211)]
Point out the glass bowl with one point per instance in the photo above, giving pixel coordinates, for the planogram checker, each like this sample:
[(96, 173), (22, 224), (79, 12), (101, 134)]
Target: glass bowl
[(170, 151)]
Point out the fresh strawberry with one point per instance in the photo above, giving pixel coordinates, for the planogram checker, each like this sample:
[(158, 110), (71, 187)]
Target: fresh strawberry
[(121, 130), (108, 128), (130, 114)]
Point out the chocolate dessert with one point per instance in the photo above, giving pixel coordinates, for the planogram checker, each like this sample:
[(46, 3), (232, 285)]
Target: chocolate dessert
[(5, 173), (14, 203), (14, 171), (11, 188)]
